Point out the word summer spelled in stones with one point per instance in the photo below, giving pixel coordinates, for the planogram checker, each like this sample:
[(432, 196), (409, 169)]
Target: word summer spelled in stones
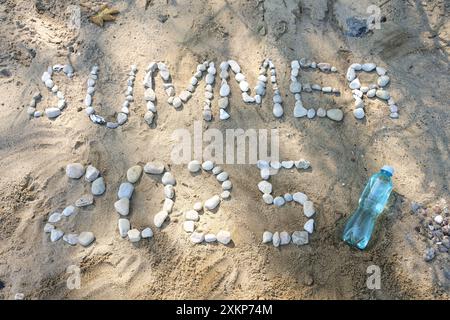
[(207, 71)]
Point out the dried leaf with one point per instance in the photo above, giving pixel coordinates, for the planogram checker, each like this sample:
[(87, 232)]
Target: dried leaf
[(104, 14)]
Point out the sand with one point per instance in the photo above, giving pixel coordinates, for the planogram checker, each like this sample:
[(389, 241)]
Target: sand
[(413, 44)]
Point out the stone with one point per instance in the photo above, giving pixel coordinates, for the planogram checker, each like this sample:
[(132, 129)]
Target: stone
[(55, 217), (358, 113), (300, 197), (285, 238), (98, 187), (288, 197), (112, 125), (92, 173), (216, 170), (134, 235), (383, 81), (429, 254), (49, 83), (265, 187), (321, 112), (287, 164), (55, 235), (84, 201), (267, 198), (295, 87), (208, 165), (125, 190), (371, 93), (210, 238), (146, 233), (223, 176), (309, 226), (71, 239), (308, 209), (276, 239), (191, 215), (168, 205), (194, 166), (311, 113), (261, 164), (335, 114), (86, 238), (19, 296), (154, 168), (168, 178), (300, 111), (198, 206), (121, 118), (224, 90), (368, 67), (197, 237), (383, 94), (234, 66), (224, 237), (223, 103), (300, 238), (134, 173), (148, 117), (324, 66), (277, 110), (159, 218), (355, 84), (122, 206), (225, 194), (223, 115), (381, 71), (177, 103), (48, 228), (189, 226), (438, 219), (279, 201), (185, 95), (267, 237), (169, 191), (124, 227), (302, 164), (75, 170), (243, 85), (212, 202)]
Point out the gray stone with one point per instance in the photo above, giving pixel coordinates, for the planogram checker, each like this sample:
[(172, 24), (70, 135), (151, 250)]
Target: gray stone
[(52, 112), (267, 237), (134, 235), (168, 178), (124, 227), (159, 218), (71, 239), (134, 173), (92, 173), (285, 238), (55, 235), (147, 233), (84, 201), (308, 209), (335, 114), (125, 190), (197, 237), (98, 186), (86, 238), (55, 217), (265, 187), (122, 206), (154, 168), (300, 238), (194, 166), (300, 197)]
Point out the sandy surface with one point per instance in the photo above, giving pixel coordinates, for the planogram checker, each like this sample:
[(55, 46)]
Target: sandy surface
[(413, 44)]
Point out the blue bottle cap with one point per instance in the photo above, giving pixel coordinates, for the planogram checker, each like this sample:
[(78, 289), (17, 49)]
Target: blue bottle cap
[(388, 169)]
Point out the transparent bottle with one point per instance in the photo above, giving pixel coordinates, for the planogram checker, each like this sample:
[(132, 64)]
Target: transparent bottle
[(359, 227)]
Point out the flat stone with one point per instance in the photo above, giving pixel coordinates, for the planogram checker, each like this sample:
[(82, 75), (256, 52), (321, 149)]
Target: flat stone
[(55, 235), (224, 237), (194, 166), (383, 94), (308, 209), (208, 165), (285, 238), (125, 190), (75, 170), (295, 87), (267, 198), (212, 202), (134, 173), (48, 228), (146, 233), (168, 205), (335, 114), (265, 187), (124, 227), (224, 90), (122, 206), (169, 191), (92, 173), (355, 84), (154, 168), (159, 218), (223, 176), (197, 237), (267, 237), (210, 238), (279, 201), (368, 67), (134, 235), (383, 81), (191, 215), (86, 238), (309, 226), (71, 239), (189, 226), (55, 217), (300, 111), (98, 187), (300, 238), (84, 201), (359, 113), (168, 178), (276, 239), (300, 197)]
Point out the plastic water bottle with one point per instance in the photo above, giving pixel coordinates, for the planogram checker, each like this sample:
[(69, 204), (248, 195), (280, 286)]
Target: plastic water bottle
[(359, 227)]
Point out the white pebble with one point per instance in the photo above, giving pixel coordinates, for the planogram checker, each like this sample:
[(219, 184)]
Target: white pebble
[(159, 218), (194, 166), (267, 237), (212, 202), (285, 238), (197, 237), (210, 238), (309, 226), (75, 170), (168, 178), (54, 217), (308, 208), (208, 165), (124, 226), (276, 239), (265, 187), (122, 206), (134, 235), (224, 237), (146, 233)]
